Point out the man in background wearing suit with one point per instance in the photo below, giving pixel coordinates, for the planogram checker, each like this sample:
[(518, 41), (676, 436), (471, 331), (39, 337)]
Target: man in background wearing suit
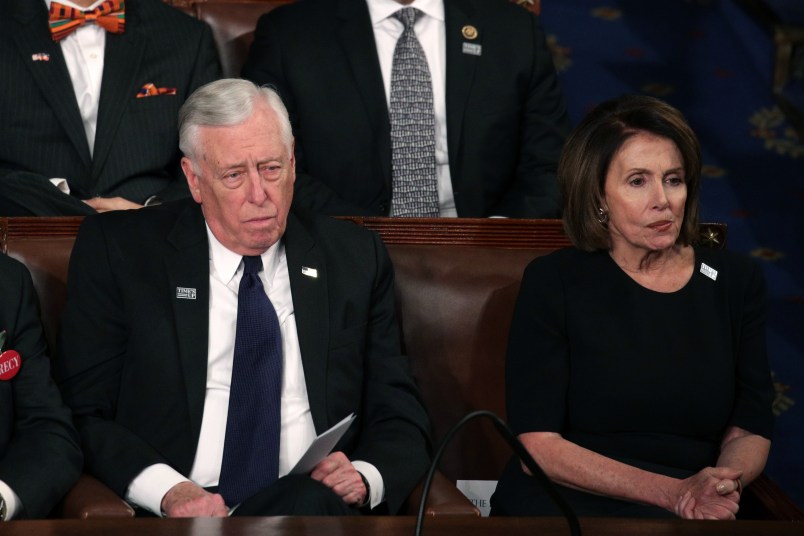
[(39, 454), (89, 104), (172, 406), (486, 103)]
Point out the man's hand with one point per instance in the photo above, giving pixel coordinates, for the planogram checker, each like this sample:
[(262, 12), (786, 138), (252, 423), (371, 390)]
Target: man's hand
[(187, 499), (337, 473), (105, 204), (700, 498)]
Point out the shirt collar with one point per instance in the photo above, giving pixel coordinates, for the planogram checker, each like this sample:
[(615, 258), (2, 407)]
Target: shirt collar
[(75, 6), (380, 10), (226, 262)]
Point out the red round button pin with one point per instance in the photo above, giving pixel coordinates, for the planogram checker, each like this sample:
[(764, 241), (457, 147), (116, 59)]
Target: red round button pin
[(10, 362)]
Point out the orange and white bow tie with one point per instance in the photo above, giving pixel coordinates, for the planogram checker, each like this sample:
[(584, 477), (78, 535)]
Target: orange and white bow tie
[(64, 20)]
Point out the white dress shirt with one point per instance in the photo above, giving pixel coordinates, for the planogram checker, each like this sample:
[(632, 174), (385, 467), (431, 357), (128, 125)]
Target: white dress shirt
[(297, 430), (431, 32), (83, 52)]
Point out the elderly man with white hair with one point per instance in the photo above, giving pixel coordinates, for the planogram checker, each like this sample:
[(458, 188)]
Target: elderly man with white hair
[(206, 343)]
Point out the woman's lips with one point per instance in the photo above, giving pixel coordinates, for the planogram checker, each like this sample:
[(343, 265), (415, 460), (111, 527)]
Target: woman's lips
[(661, 226)]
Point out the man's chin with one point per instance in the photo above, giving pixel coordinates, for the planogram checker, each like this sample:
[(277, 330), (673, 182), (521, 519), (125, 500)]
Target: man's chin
[(261, 238)]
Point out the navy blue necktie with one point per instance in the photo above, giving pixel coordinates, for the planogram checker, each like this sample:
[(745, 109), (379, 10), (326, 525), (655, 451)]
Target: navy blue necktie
[(251, 446)]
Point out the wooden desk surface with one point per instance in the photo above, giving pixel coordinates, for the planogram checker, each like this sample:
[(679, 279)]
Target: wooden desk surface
[(393, 526)]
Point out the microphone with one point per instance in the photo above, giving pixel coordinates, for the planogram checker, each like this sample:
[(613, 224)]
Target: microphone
[(521, 452)]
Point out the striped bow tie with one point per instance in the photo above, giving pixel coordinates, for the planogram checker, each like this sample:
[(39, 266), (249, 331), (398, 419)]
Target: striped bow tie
[(64, 20)]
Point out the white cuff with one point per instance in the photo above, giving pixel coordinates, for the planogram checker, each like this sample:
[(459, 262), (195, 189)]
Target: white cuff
[(374, 479), (62, 185), (149, 487), (13, 503)]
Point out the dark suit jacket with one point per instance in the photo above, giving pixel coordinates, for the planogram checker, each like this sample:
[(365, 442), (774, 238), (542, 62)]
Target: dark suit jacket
[(136, 151), (133, 357), (506, 117), (39, 454)]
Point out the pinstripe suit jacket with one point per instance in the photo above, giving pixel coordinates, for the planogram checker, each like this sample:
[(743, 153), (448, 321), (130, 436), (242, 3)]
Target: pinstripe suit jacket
[(136, 148)]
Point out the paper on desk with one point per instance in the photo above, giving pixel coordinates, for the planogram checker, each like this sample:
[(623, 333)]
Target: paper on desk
[(321, 447)]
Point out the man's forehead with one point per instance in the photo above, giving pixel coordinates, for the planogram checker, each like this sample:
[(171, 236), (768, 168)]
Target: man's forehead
[(218, 142)]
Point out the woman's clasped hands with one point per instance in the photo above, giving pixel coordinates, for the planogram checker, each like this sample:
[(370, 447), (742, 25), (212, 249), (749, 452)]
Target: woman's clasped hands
[(712, 493)]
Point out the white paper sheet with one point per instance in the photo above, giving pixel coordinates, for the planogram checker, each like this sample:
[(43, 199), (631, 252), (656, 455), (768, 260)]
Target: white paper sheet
[(321, 447)]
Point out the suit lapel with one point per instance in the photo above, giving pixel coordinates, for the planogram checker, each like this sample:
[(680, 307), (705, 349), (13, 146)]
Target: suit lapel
[(356, 37), (121, 67), (6, 413), (52, 75), (311, 310), (188, 268), (460, 69)]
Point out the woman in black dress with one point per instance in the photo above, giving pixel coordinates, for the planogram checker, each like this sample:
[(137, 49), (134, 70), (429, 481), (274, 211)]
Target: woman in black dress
[(637, 374)]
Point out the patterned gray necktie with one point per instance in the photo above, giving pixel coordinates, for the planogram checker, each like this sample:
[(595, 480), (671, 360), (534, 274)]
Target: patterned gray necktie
[(413, 169)]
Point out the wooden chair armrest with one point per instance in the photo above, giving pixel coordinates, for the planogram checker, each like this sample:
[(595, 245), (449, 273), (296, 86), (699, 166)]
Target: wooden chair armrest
[(444, 500), (89, 497), (763, 499)]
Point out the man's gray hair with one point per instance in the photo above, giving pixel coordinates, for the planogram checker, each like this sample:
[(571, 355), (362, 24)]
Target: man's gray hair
[(224, 103)]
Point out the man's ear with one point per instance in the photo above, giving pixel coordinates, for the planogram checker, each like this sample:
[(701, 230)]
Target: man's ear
[(193, 180), (293, 160)]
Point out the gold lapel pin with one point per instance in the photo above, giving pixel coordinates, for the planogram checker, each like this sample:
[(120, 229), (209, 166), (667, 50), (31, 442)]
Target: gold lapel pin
[(469, 31)]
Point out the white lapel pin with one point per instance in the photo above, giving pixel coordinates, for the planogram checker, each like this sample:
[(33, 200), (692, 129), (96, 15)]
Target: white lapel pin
[(473, 49), (309, 272), (185, 293), (40, 56), (709, 272)]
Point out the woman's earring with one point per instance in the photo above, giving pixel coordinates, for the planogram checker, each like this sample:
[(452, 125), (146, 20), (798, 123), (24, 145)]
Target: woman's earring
[(602, 216)]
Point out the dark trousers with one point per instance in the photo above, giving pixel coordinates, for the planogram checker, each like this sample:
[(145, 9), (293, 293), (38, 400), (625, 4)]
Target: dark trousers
[(295, 495), (292, 495)]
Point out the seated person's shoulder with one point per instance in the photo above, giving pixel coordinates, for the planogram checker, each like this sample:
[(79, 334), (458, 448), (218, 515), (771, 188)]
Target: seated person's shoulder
[(304, 8), (11, 270), (566, 268), (138, 225), (736, 265), (343, 238), (503, 8), (560, 259), (15, 280), (330, 226), (156, 11)]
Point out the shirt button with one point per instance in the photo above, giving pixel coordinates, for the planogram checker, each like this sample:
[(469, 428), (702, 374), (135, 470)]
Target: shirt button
[(93, 56)]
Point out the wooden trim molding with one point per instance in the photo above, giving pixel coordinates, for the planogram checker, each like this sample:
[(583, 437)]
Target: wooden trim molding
[(478, 232)]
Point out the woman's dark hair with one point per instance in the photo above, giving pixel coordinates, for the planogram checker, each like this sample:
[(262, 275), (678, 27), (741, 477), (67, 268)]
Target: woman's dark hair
[(593, 144)]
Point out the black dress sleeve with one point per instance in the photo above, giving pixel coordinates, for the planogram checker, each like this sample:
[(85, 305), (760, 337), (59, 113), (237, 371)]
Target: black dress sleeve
[(754, 389), (537, 360)]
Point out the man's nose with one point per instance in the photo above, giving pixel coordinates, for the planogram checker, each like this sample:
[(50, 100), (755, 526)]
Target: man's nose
[(256, 187)]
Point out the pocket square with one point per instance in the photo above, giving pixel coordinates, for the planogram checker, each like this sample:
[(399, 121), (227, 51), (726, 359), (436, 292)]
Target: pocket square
[(150, 90)]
